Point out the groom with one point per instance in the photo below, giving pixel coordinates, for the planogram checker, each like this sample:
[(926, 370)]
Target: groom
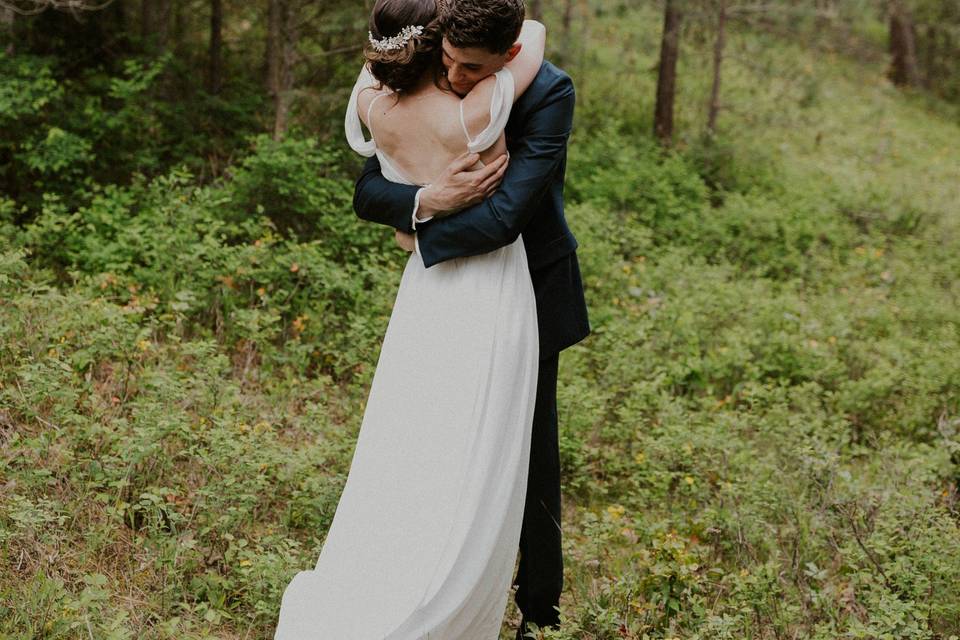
[(479, 37)]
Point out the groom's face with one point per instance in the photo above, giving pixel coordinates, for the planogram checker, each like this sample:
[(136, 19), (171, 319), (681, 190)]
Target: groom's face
[(467, 66)]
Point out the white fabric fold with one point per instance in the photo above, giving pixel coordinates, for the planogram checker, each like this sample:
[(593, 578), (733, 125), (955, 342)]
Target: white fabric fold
[(351, 122), (501, 103)]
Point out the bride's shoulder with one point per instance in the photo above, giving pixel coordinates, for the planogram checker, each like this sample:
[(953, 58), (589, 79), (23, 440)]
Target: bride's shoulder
[(476, 104), (366, 97)]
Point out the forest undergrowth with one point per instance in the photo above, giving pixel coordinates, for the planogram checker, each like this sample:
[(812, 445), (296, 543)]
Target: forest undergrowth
[(760, 439)]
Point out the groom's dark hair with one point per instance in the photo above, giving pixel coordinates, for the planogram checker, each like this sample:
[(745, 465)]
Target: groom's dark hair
[(491, 24)]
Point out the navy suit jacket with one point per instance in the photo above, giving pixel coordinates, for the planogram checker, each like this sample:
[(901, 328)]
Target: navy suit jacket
[(529, 201)]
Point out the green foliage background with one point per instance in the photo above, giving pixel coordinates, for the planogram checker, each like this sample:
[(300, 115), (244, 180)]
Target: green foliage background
[(760, 439)]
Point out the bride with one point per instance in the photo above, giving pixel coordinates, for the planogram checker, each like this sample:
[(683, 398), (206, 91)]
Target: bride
[(424, 538)]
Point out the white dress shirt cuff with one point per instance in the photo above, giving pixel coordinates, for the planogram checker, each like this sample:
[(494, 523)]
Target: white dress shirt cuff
[(416, 207)]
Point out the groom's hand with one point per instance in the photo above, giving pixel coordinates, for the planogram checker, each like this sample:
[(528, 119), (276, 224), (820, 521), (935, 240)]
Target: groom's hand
[(459, 186)]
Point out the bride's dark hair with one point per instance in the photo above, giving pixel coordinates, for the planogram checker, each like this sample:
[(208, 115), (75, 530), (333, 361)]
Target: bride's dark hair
[(401, 69)]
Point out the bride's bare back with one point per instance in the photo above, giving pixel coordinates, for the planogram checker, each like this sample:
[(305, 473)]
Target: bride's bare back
[(422, 132)]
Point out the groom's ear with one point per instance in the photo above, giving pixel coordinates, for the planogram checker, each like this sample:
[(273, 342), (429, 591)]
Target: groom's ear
[(513, 51)]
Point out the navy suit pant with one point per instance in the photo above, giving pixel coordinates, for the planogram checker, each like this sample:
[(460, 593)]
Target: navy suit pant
[(539, 578)]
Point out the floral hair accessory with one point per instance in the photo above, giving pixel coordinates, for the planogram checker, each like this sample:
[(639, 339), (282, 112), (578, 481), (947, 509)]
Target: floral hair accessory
[(395, 42)]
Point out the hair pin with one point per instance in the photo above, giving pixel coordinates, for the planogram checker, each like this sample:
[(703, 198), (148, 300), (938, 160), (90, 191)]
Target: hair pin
[(395, 42)]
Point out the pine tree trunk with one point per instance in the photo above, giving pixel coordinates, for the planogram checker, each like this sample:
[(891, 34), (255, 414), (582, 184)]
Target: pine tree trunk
[(947, 54), (281, 57), (7, 17), (271, 63), (215, 55), (179, 30), (584, 45), (536, 10), (565, 23), (288, 59), (717, 62), (903, 69), (667, 76), (155, 24), (930, 41)]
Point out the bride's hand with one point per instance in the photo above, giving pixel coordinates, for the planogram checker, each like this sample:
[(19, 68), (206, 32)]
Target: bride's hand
[(459, 187)]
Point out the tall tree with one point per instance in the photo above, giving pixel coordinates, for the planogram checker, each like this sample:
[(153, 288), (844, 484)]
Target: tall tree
[(180, 13), (718, 48), (6, 29), (934, 23), (667, 74), (536, 10), (155, 23), (282, 32), (215, 53), (270, 58), (929, 47), (903, 49), (566, 22)]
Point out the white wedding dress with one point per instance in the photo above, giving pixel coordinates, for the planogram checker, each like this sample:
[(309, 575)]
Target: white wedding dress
[(424, 539)]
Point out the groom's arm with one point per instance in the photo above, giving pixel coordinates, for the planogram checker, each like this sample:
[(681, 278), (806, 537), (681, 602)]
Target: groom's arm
[(498, 220), (394, 204), (378, 200)]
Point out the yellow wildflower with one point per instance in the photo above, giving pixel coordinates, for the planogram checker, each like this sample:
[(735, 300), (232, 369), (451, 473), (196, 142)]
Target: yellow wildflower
[(616, 511)]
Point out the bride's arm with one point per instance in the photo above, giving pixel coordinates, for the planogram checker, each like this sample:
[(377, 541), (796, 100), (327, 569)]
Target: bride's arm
[(526, 64), (523, 67)]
